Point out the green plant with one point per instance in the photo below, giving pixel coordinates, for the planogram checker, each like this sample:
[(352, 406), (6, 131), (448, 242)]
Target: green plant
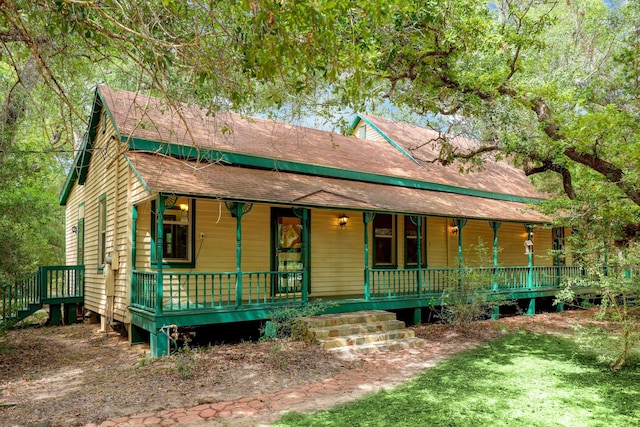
[(284, 322), (469, 294), (619, 287), (186, 361)]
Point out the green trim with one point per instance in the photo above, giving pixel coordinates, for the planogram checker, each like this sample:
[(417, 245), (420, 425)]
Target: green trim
[(137, 174), (174, 263), (394, 242), (219, 156), (80, 167), (389, 140), (102, 240), (420, 241)]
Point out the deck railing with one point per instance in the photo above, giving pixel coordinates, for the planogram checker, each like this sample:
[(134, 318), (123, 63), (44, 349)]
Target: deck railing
[(48, 285), (202, 291), (206, 291), (398, 283)]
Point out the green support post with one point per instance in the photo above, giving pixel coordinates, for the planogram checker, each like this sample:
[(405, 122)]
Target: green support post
[(70, 313), (459, 223), (417, 316), (134, 233), (160, 207), (531, 310), (55, 314), (159, 344), (238, 215), (529, 229), (495, 226), (305, 255), (417, 221), (367, 218), (560, 307)]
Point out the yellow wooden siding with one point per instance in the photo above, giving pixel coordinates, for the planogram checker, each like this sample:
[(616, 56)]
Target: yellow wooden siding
[(101, 180), (337, 254), (76, 197), (365, 131), (437, 242)]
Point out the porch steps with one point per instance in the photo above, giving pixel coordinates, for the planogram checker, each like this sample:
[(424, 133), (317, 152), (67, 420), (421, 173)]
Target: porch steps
[(359, 332)]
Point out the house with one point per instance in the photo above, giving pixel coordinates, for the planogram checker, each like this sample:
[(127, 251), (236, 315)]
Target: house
[(185, 217)]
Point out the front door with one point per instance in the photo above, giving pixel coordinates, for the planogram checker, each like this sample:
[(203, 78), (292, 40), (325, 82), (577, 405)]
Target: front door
[(288, 256)]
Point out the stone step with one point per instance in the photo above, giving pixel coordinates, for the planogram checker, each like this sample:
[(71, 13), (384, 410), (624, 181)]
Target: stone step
[(347, 318), (365, 338), (315, 334), (379, 346)]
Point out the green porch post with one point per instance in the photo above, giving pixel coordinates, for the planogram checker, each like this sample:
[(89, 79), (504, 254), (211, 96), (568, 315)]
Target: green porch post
[(459, 223), (160, 207), (134, 233), (495, 226), (531, 310), (305, 255), (417, 221), (238, 214), (529, 229), (367, 218)]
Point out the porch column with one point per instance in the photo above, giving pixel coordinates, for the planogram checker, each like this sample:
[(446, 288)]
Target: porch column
[(495, 226), (160, 207), (367, 217), (417, 220), (237, 211), (305, 255), (460, 223), (531, 310), (134, 233), (529, 230)]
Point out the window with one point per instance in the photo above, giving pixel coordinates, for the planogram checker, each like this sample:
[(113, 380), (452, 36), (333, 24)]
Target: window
[(102, 230), (411, 242), (177, 232), (385, 243)]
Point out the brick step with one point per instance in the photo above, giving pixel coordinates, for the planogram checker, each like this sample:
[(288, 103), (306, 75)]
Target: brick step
[(365, 338), (315, 334), (347, 318), (379, 346)]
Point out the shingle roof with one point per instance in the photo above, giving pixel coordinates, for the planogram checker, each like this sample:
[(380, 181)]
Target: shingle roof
[(138, 117), (169, 175), (141, 117)]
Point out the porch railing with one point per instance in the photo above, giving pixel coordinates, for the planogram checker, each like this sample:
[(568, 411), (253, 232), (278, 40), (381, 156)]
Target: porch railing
[(201, 291), (48, 285), (398, 283)]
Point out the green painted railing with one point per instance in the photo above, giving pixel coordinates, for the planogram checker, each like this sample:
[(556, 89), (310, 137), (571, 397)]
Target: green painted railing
[(49, 285), (202, 291), (398, 283)]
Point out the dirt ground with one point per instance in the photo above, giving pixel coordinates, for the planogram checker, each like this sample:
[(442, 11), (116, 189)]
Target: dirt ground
[(74, 375)]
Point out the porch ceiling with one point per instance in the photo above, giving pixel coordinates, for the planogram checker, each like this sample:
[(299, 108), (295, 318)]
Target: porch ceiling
[(198, 179)]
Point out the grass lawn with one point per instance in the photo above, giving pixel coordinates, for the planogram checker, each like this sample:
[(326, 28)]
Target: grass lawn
[(521, 379)]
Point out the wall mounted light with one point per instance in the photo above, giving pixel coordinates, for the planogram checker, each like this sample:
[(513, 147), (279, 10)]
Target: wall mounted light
[(184, 207), (74, 229), (454, 229), (343, 220)]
